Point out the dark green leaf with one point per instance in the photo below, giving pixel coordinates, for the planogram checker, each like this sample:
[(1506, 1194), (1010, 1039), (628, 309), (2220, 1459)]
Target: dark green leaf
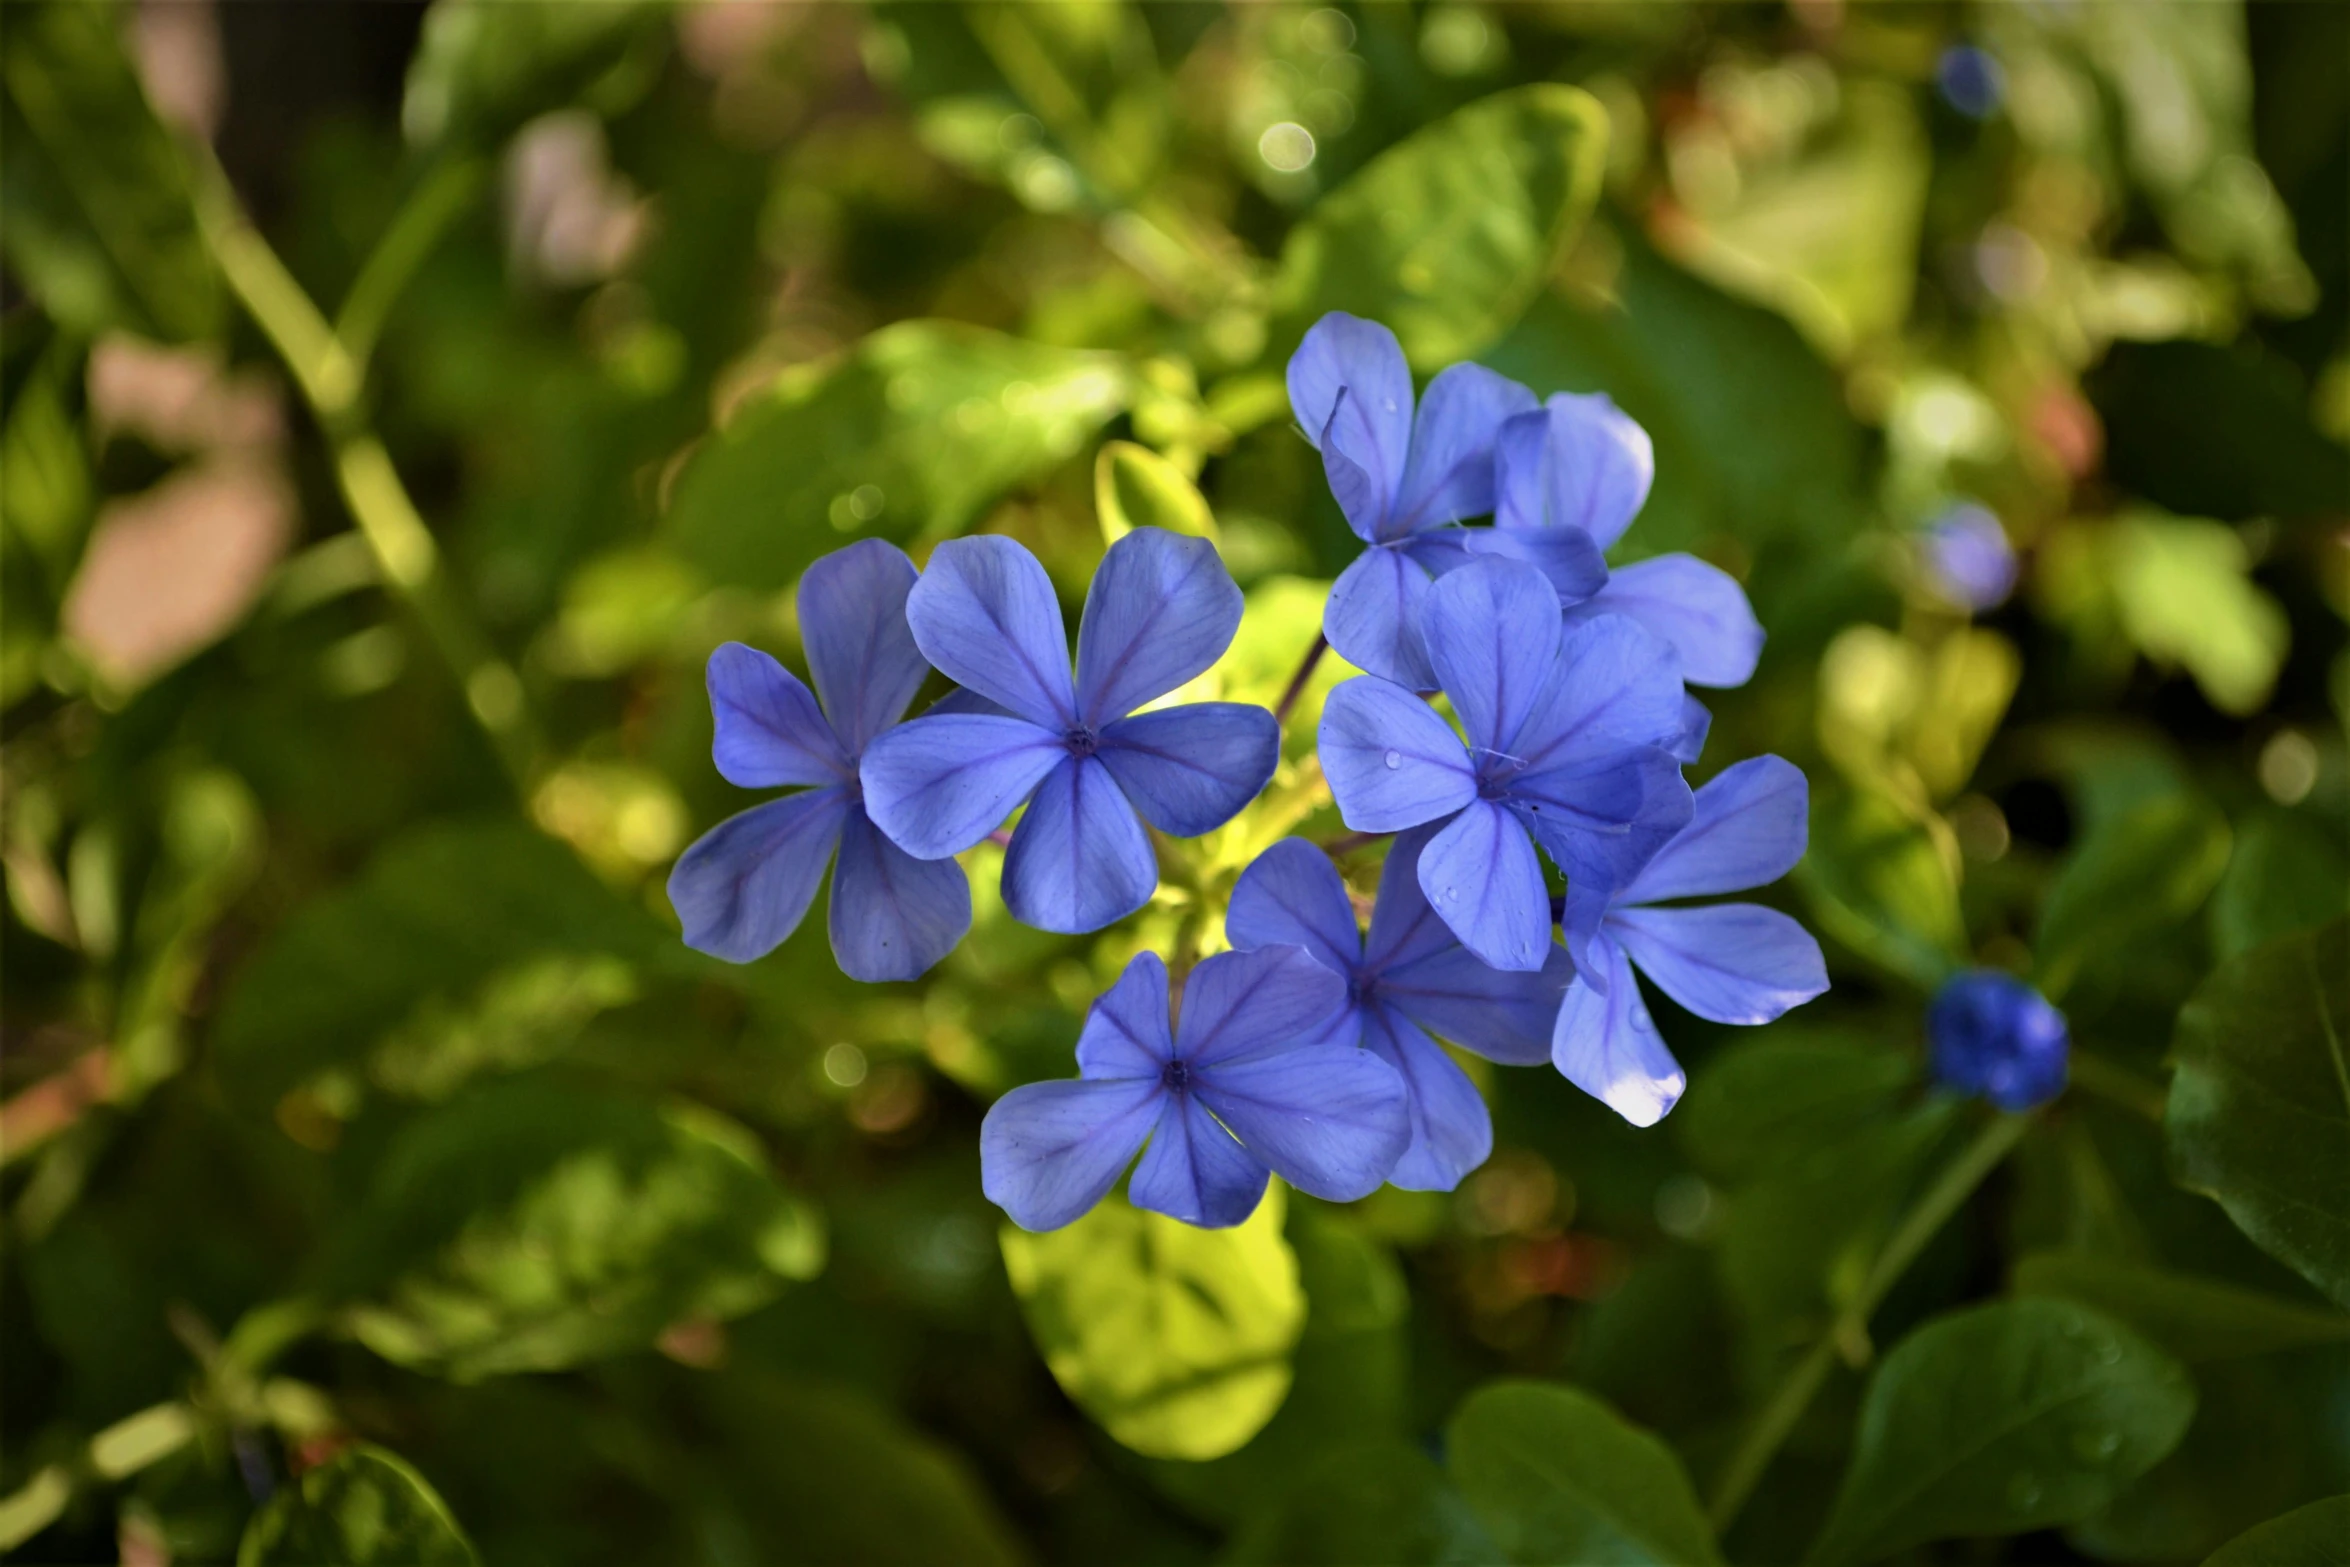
[(527, 1227), (438, 916), (2194, 1318), (1363, 1501), (2314, 1536), (482, 68), (2151, 868), (1446, 236), (1557, 1476), (2260, 1105), (917, 428), (2287, 874), (363, 1508), (1177, 1340), (2002, 1419), (1880, 884), (100, 226), (1764, 1106)]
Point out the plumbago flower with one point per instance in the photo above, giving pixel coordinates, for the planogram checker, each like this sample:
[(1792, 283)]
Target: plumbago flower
[(1403, 480), (1569, 477), (1411, 978), (746, 884), (1992, 1034), (1568, 735), (1246, 1084), (1162, 609), (1728, 963)]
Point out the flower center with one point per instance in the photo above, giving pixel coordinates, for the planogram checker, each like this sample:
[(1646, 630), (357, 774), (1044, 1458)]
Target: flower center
[(1361, 985), (1082, 740), (1175, 1076)]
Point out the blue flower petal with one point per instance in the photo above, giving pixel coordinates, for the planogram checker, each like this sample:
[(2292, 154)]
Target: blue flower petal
[(1606, 1045), (1195, 1171), (1493, 635), (1697, 721), (746, 883), (861, 652), (769, 732), (1449, 474), (1292, 895), (1728, 963), (1049, 1151), (1391, 761), (1501, 1016), (1451, 1130), (1162, 608), (1127, 1029), (1747, 828), (1236, 1003), (1330, 1119), (1566, 557), (939, 785), (893, 916), (985, 614), (1615, 686), (1403, 927), (1580, 462), (1191, 769), (1372, 617), (1343, 353), (1079, 859), (1696, 608), (1483, 877)]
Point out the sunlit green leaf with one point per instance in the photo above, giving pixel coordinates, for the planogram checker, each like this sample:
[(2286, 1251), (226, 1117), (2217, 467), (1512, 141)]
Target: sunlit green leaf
[(2309, 1536), (527, 1227), (1134, 487), (1879, 883), (2194, 1318), (47, 491), (2150, 869), (1446, 236), (482, 68), (100, 226), (916, 429), (1557, 1476), (363, 1508), (1177, 1340), (2002, 1419), (2260, 1104)]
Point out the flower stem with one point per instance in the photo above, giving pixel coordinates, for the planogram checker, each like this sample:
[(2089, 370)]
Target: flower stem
[(1297, 682), (1848, 1333)]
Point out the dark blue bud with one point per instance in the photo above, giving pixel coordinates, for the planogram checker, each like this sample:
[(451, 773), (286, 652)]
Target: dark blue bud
[(1994, 1035), (1971, 81)]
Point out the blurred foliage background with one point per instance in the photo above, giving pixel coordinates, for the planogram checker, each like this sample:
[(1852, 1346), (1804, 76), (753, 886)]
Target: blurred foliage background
[(400, 403)]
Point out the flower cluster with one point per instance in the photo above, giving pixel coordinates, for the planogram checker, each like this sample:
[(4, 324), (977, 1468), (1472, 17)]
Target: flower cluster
[(1309, 1050)]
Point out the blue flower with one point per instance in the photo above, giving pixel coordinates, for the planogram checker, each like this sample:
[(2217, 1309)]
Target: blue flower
[(1402, 480), (1162, 609), (1410, 979), (1241, 1086), (1968, 558), (1569, 478), (1728, 963), (745, 885), (1994, 1035), (1567, 729)]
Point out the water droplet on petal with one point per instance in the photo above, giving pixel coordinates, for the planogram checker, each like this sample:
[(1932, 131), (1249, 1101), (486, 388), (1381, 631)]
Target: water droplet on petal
[(1394, 759)]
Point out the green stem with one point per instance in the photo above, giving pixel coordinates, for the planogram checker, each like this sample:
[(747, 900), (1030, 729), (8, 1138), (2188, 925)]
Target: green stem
[(1848, 1333), (2110, 1080), (439, 199), (329, 374)]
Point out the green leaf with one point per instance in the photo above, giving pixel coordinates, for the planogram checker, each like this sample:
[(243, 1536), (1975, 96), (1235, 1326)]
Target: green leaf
[(2287, 874), (47, 491), (2149, 869), (1357, 1501), (1764, 1106), (2259, 1112), (100, 226), (482, 68), (918, 428), (2194, 1318), (1879, 883), (422, 942), (1447, 235), (1178, 1341), (1558, 1476), (363, 1508), (2314, 1536), (2002, 1419), (1134, 487), (529, 1227)]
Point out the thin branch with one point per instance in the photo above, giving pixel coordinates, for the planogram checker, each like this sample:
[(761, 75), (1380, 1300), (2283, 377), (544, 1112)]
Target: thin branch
[(1297, 682)]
